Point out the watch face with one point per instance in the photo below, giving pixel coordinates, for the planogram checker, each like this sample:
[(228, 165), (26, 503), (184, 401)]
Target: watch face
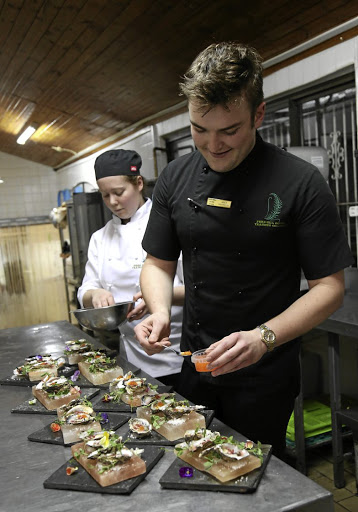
[(269, 336)]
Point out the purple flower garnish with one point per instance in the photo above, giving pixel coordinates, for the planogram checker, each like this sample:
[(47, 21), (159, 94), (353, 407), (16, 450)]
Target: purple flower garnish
[(75, 376), (186, 472), (104, 418), (67, 348), (106, 398), (39, 358)]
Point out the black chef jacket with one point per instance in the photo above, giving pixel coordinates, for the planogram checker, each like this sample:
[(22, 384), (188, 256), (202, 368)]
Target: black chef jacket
[(245, 235)]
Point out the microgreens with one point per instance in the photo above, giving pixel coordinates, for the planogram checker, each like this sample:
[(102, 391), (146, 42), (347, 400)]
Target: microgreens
[(157, 421)]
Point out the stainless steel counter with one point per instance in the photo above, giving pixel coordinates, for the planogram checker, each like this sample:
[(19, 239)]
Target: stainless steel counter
[(26, 465)]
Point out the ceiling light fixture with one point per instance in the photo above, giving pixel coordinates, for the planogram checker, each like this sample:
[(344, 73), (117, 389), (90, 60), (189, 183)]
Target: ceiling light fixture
[(60, 150), (30, 130)]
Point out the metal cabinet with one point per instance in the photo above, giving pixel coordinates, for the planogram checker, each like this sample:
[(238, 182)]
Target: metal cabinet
[(86, 213)]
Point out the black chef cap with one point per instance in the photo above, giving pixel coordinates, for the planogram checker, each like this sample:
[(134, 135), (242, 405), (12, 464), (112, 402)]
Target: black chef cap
[(117, 162)]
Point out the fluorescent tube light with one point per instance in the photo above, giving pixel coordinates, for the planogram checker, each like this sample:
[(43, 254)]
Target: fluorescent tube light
[(30, 130)]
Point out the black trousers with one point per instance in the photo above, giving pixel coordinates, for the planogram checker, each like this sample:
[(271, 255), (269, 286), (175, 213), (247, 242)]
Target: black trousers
[(258, 408)]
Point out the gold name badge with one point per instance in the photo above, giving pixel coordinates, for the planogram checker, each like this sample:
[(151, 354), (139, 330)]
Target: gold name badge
[(221, 203)]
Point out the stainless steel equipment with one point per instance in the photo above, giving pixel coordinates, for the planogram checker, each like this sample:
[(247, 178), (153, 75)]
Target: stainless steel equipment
[(86, 213), (108, 318)]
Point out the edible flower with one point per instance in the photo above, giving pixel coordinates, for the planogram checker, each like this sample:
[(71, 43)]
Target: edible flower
[(105, 439), (186, 472), (33, 401), (39, 358), (75, 376), (104, 419), (106, 398), (55, 427), (70, 470)]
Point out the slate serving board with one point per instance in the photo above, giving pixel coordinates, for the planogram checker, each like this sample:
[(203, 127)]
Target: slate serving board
[(157, 439), (201, 481), (68, 370), (45, 435), (100, 406), (16, 380), (82, 481), (110, 353), (38, 408), (123, 363)]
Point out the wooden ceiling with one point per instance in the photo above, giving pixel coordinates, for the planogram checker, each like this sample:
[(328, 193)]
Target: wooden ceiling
[(84, 70)]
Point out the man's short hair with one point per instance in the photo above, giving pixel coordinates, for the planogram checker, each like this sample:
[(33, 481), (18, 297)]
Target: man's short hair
[(221, 73)]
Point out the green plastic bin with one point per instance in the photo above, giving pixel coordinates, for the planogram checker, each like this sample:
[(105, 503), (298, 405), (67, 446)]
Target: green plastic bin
[(316, 419)]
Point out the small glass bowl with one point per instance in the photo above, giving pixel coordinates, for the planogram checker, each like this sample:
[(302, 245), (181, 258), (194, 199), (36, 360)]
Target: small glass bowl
[(200, 359)]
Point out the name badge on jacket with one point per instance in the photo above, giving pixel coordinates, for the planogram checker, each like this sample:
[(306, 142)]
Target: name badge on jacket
[(220, 203)]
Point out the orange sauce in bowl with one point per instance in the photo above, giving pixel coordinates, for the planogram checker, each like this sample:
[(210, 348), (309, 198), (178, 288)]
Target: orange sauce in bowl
[(202, 366)]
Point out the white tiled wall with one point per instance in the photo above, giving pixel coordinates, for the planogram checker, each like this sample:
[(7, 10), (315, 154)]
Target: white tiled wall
[(311, 69), (29, 188)]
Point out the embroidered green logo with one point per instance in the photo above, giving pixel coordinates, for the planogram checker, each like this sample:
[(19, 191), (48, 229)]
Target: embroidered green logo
[(272, 217), (274, 207)]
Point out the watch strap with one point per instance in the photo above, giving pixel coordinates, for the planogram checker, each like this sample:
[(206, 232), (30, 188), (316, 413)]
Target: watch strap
[(270, 344)]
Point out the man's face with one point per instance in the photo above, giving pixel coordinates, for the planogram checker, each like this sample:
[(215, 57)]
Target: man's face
[(225, 136)]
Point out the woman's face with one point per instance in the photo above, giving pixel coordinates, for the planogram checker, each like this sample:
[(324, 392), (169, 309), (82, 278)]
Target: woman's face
[(120, 196)]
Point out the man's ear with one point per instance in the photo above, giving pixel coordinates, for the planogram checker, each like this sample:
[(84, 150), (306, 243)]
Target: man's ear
[(260, 114)]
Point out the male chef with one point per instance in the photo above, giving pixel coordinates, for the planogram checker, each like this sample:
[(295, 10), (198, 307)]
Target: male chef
[(248, 217)]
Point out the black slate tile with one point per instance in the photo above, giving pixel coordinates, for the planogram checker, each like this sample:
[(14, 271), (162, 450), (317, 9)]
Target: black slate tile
[(123, 363), (205, 482), (121, 406), (38, 408), (17, 380), (157, 439), (82, 481), (45, 435)]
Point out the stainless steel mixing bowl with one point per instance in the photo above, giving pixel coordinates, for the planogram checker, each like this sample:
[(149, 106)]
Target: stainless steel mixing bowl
[(108, 318)]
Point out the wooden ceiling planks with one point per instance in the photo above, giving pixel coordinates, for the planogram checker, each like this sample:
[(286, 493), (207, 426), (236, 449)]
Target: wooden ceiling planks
[(86, 69)]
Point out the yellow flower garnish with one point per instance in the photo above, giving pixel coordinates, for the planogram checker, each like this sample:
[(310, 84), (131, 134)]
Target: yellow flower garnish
[(105, 439)]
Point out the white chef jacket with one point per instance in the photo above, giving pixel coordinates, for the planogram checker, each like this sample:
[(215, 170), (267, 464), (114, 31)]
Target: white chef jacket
[(115, 259)]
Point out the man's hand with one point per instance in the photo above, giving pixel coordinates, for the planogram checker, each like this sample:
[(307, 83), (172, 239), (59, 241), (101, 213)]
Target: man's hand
[(236, 351), (153, 333), (102, 298)]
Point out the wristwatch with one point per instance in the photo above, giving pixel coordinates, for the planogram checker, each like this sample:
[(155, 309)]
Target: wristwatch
[(268, 337)]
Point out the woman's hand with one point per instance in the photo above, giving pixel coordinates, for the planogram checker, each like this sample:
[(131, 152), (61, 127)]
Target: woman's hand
[(236, 351), (139, 310), (102, 298)]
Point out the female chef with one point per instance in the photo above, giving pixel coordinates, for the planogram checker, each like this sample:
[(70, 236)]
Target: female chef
[(116, 256)]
